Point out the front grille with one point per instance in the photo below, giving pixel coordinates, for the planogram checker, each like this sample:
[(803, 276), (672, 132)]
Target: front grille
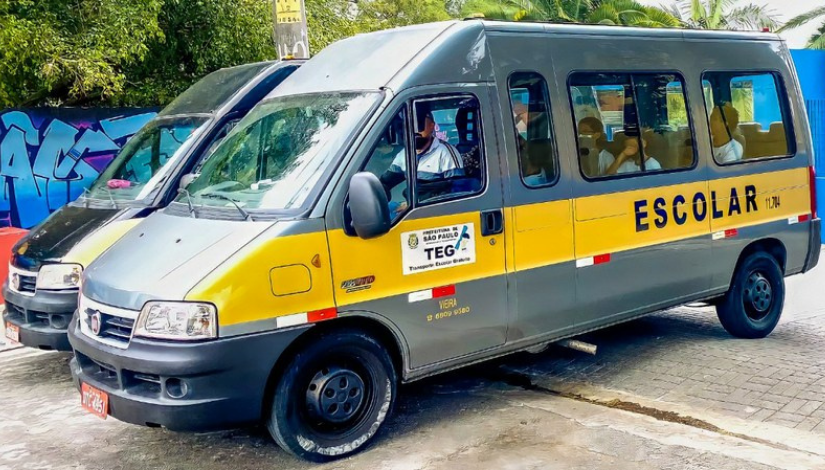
[(35, 319), (136, 383), (109, 325), (15, 313), (22, 281), (114, 328), (27, 283), (99, 371)]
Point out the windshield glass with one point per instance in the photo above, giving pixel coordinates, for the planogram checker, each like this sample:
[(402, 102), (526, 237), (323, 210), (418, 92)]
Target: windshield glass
[(213, 90), (146, 159), (277, 154)]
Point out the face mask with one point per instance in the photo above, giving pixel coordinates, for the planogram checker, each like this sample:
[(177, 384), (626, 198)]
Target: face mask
[(521, 126)]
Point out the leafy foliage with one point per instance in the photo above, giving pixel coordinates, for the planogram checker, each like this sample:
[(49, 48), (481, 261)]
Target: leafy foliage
[(724, 14), (817, 41), (71, 50), (608, 12)]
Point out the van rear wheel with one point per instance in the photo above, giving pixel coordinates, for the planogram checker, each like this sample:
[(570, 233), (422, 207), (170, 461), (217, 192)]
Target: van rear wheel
[(333, 396), (752, 306)]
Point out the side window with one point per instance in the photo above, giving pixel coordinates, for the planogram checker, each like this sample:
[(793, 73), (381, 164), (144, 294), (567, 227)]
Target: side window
[(531, 117), (448, 147), (631, 123), (388, 161), (747, 115)]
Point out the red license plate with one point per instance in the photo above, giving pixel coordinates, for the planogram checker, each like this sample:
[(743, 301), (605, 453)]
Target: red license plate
[(94, 401), (13, 333)]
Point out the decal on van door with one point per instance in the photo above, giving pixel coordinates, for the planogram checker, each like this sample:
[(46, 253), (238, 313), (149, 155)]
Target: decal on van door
[(438, 248)]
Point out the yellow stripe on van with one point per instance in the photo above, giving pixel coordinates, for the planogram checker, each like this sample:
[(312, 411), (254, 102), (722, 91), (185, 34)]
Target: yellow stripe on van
[(537, 235), (242, 288), (623, 221), (381, 257), (99, 241)]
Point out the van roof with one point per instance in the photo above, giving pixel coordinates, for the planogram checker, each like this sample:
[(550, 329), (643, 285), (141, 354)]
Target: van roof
[(448, 52)]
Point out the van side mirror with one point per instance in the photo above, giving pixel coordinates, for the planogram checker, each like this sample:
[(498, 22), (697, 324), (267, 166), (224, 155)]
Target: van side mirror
[(186, 180), (368, 205)]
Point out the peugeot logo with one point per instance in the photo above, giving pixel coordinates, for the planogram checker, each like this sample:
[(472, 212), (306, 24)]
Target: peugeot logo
[(15, 281), (95, 323)]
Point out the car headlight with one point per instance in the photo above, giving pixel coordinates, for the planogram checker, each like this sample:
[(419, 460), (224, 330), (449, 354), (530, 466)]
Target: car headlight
[(59, 276), (184, 321)]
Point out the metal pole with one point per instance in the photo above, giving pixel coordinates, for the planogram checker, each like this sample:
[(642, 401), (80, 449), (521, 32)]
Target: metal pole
[(290, 31)]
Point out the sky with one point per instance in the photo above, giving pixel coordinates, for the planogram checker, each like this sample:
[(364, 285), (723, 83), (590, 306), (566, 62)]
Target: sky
[(785, 10)]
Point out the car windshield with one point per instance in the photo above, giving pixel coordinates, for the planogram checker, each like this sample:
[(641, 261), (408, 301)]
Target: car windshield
[(276, 155), (146, 160)]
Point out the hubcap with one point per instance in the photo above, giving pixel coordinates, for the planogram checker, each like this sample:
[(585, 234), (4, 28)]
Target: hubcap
[(758, 296), (335, 394)]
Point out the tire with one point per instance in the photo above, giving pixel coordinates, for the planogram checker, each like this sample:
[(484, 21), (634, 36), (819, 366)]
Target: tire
[(752, 306), (333, 396)]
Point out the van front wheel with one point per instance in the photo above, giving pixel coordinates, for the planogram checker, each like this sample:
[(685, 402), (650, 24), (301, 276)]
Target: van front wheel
[(333, 396), (753, 304)]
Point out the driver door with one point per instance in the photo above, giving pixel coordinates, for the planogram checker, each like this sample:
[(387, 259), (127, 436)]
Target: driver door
[(438, 276)]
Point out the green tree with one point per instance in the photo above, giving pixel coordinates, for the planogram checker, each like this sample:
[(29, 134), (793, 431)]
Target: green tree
[(383, 14), (199, 36), (56, 51), (817, 41), (724, 14), (607, 12), (328, 21)]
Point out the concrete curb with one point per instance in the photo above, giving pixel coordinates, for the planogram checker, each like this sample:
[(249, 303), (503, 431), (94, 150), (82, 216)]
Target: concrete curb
[(767, 433)]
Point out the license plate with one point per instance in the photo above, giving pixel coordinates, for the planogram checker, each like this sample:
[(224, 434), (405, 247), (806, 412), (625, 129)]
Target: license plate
[(13, 333), (94, 401)]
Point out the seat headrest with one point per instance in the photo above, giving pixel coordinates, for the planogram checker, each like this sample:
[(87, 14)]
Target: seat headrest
[(463, 118)]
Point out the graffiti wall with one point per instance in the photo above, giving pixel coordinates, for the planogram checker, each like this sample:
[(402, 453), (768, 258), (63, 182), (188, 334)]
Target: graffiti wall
[(49, 155)]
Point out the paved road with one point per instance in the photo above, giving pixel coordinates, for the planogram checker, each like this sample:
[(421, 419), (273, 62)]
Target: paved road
[(684, 356), (671, 391)]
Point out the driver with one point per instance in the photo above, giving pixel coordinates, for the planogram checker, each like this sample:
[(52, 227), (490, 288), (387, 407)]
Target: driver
[(437, 160)]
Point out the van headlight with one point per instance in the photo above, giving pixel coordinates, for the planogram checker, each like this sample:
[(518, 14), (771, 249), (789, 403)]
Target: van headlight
[(59, 276), (185, 321)]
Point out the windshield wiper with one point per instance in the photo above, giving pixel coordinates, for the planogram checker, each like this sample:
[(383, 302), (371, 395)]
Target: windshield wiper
[(111, 198), (192, 212), (86, 197), (246, 215)]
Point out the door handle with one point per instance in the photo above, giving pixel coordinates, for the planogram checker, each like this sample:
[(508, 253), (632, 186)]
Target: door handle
[(492, 222)]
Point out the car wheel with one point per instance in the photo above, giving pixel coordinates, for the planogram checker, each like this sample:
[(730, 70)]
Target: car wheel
[(752, 306), (333, 396)]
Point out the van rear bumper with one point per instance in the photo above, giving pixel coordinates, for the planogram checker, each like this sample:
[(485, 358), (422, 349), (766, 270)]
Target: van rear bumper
[(42, 318), (814, 245), (182, 386)]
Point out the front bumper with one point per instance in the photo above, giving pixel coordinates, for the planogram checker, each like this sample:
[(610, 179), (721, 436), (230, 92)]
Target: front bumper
[(42, 318), (182, 386)]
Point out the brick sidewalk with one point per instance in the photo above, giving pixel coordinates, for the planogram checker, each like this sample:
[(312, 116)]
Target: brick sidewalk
[(684, 356)]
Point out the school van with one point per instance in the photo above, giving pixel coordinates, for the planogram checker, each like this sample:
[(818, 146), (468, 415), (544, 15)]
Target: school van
[(45, 266), (468, 190)]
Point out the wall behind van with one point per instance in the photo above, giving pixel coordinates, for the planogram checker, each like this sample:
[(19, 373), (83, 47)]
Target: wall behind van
[(810, 65), (49, 155)]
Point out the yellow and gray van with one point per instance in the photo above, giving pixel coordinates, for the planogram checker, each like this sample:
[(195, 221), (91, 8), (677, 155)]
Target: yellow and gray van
[(420, 199), (45, 266)]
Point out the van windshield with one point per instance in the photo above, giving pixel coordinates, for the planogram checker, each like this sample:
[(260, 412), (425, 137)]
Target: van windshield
[(277, 154), (146, 160)]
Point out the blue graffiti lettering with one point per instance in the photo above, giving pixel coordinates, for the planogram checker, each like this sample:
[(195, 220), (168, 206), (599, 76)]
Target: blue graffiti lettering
[(46, 162)]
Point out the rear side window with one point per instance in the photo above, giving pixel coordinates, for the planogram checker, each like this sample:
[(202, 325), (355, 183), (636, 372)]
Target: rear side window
[(747, 115), (631, 123), (530, 105)]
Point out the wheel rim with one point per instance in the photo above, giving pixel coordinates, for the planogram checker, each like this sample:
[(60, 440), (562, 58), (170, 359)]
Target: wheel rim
[(758, 296), (337, 398)]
